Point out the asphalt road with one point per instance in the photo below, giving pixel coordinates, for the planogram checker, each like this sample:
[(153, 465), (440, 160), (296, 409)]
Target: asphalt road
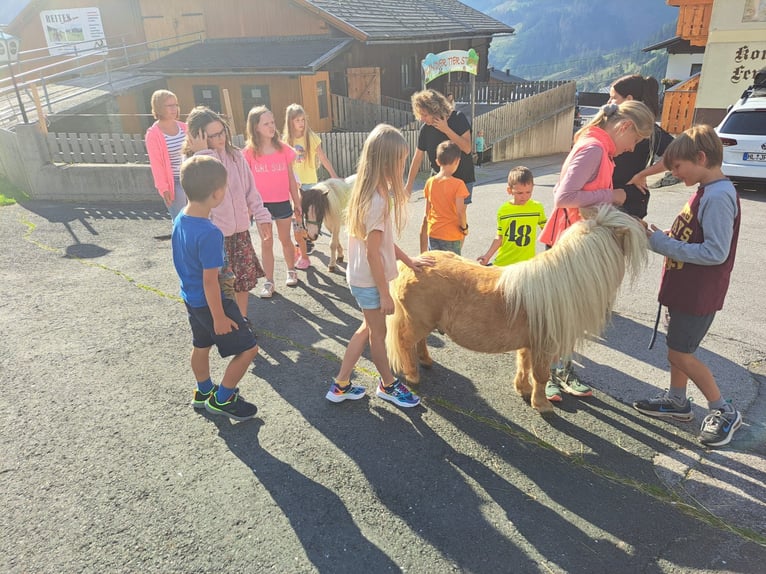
[(105, 467)]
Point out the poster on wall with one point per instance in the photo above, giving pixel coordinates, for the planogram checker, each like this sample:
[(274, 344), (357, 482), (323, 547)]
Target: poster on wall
[(72, 31), (755, 11)]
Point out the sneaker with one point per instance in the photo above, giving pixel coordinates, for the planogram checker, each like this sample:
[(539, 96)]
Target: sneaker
[(292, 278), (303, 263), (552, 391), (570, 384), (199, 399), (267, 291), (338, 394), (719, 426), (398, 393), (663, 407), (235, 408)]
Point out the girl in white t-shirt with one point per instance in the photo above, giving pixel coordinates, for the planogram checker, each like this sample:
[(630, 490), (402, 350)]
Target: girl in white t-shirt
[(308, 155), (378, 200)]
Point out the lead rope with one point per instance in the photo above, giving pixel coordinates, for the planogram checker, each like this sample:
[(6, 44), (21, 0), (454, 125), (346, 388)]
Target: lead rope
[(656, 325)]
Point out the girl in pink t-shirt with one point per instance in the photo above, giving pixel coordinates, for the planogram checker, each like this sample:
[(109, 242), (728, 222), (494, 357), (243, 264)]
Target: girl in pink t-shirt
[(270, 160)]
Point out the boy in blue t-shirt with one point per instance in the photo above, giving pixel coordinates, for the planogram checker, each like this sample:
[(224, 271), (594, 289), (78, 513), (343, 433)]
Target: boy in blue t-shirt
[(198, 256)]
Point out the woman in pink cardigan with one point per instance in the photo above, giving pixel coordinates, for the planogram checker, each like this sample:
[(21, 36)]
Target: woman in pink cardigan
[(586, 181), (209, 134), (164, 141)]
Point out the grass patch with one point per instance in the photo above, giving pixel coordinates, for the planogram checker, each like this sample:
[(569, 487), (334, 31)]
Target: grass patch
[(9, 193)]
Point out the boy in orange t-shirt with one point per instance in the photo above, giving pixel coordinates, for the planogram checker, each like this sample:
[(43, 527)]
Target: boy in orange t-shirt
[(445, 202)]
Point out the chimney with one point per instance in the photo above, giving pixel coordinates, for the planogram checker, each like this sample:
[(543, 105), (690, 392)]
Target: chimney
[(507, 71)]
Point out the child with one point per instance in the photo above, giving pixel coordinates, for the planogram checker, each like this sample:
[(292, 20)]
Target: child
[(586, 181), (271, 163), (378, 200), (699, 252), (445, 202), (308, 149), (164, 140), (209, 134), (479, 148), (517, 221), (198, 255)]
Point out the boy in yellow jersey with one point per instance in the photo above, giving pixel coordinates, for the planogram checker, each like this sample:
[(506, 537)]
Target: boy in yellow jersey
[(518, 220)]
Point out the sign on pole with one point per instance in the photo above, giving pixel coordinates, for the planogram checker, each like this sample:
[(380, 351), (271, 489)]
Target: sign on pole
[(436, 65)]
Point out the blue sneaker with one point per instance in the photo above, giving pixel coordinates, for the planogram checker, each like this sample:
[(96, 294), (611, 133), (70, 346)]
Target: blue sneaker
[(398, 393), (663, 407), (338, 394)]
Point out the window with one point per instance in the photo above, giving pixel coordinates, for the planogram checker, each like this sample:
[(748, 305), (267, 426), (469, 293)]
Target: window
[(409, 68), (255, 96), (209, 96), (322, 99), (695, 69), (746, 123)]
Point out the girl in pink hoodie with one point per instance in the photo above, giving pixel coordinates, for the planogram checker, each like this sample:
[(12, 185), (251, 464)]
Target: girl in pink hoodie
[(209, 134)]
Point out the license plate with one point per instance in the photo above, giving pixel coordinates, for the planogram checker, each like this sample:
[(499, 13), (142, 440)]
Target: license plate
[(754, 156)]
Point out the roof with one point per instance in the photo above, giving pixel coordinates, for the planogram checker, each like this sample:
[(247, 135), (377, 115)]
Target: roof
[(291, 55), (507, 77), (376, 21), (676, 45)]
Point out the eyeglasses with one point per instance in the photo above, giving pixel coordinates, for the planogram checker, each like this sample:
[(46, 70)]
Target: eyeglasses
[(222, 133)]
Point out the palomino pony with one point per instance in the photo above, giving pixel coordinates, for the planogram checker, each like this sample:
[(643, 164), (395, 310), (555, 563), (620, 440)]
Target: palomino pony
[(325, 203), (542, 308)]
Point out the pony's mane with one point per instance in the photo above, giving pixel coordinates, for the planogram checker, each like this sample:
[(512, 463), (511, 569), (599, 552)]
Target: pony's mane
[(329, 198), (568, 291)]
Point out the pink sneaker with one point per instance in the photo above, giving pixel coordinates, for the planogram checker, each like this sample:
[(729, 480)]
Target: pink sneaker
[(303, 263)]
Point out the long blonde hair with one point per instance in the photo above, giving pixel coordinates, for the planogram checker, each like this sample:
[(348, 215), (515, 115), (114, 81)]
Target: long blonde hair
[(295, 111), (380, 165), (628, 111), (253, 118)]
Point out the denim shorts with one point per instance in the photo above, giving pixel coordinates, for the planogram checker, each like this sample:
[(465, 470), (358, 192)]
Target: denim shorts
[(469, 199), (685, 332), (232, 343), (444, 245), (279, 209), (366, 297)]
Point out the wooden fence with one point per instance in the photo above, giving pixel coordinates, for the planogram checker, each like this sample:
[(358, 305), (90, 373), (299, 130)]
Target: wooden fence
[(496, 93), (358, 116), (342, 148), (97, 148), (678, 106)]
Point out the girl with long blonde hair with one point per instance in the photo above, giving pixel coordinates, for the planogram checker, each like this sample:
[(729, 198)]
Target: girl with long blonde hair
[(308, 155), (377, 205)]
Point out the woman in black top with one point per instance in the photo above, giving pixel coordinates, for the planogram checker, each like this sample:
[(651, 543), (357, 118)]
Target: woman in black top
[(632, 168)]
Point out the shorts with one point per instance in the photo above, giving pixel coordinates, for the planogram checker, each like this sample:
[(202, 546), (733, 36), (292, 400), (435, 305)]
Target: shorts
[(243, 261), (232, 343), (366, 297), (280, 209), (444, 245), (685, 332)]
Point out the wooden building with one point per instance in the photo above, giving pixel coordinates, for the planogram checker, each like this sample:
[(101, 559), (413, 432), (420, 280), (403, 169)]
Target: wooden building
[(277, 52)]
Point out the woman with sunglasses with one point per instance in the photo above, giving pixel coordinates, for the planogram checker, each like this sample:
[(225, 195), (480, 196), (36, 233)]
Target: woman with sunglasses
[(209, 134)]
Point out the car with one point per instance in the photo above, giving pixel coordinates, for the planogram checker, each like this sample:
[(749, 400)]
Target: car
[(743, 134)]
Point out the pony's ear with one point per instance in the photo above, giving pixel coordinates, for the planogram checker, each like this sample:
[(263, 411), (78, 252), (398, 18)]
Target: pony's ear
[(325, 189)]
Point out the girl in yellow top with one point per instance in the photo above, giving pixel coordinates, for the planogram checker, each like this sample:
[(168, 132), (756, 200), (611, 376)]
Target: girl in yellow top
[(308, 154)]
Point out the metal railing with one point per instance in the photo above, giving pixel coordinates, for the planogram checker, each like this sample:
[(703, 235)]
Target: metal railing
[(97, 64)]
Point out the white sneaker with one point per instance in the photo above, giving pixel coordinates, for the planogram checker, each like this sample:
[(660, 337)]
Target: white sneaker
[(267, 291), (292, 278)]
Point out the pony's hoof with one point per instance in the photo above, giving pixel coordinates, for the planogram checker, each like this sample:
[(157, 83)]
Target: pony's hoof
[(331, 268), (340, 259), (426, 364), (545, 409)]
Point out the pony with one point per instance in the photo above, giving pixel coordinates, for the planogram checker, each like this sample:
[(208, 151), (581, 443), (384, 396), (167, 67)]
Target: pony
[(325, 203), (542, 308)]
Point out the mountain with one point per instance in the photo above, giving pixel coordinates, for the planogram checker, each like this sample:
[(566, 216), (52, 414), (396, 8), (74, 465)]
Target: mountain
[(590, 41)]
